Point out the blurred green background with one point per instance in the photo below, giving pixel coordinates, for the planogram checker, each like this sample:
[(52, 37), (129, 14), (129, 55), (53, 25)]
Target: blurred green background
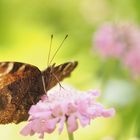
[(25, 30)]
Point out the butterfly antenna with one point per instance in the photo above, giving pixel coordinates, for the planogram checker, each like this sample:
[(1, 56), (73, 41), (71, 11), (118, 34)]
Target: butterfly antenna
[(50, 49), (58, 48)]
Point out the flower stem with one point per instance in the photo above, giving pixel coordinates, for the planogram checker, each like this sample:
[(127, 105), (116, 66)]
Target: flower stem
[(70, 135)]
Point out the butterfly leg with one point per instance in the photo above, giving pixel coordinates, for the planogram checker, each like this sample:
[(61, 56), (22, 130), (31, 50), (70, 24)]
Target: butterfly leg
[(58, 81)]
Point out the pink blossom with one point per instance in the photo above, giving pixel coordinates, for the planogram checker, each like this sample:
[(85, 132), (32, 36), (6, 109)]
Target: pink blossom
[(132, 61), (64, 106), (113, 40), (120, 41), (108, 42)]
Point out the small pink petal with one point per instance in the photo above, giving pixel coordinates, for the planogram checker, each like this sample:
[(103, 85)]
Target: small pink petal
[(57, 111), (94, 92), (27, 130), (62, 121), (44, 98), (51, 125), (108, 112), (72, 124), (84, 120)]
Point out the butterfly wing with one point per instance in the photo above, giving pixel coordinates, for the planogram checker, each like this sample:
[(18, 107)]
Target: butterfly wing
[(12, 71), (54, 74), (20, 87)]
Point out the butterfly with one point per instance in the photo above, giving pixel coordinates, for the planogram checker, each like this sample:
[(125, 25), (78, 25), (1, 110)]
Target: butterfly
[(22, 85)]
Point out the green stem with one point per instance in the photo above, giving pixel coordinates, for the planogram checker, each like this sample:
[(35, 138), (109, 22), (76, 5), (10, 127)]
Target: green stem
[(70, 135)]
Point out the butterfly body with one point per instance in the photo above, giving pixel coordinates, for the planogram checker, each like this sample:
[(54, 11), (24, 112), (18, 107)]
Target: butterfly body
[(22, 85)]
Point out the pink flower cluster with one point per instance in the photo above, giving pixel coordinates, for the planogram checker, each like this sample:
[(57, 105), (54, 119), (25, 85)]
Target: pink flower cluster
[(64, 106), (120, 41)]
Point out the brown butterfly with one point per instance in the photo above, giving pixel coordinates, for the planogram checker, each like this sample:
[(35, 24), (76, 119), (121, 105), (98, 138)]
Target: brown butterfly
[(22, 85)]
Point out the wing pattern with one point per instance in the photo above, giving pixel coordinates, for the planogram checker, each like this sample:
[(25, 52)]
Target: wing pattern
[(55, 74)]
